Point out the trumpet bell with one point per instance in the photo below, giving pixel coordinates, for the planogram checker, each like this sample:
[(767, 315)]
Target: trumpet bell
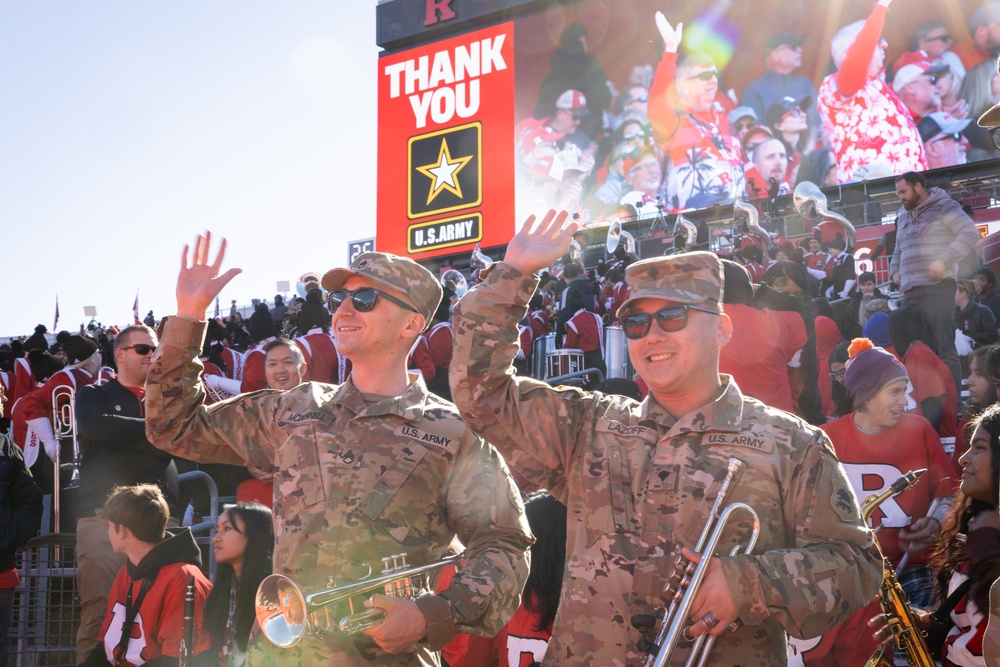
[(281, 610)]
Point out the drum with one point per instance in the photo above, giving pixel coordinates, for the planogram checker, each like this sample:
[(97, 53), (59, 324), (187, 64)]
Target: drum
[(616, 353), (540, 349), (563, 362)]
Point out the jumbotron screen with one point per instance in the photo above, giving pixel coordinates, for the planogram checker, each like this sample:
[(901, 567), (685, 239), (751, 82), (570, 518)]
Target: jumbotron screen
[(578, 107)]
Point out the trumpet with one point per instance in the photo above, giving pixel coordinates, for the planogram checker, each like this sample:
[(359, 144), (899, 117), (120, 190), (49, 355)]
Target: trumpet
[(812, 204), (285, 614), (891, 597), (686, 579)]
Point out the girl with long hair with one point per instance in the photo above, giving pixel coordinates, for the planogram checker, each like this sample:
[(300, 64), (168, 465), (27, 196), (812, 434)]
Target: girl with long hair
[(243, 545), (968, 548), (984, 367)]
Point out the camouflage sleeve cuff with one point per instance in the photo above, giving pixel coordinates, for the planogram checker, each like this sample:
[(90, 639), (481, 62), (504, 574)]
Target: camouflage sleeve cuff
[(184, 333), (440, 621), (743, 579), (510, 284)]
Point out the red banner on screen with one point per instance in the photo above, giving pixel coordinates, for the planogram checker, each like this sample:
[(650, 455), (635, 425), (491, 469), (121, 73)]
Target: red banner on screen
[(445, 164)]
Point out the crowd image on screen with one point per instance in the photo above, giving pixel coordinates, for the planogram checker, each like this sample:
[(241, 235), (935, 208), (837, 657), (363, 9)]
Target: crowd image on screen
[(880, 109)]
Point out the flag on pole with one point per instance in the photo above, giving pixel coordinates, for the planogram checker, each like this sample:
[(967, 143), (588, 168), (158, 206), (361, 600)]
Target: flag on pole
[(216, 307), (135, 308), (55, 323)]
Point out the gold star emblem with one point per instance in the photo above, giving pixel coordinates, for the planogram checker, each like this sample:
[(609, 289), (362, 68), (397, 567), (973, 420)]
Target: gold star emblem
[(443, 173)]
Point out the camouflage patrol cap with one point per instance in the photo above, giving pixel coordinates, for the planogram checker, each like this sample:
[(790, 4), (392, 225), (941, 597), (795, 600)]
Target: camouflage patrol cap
[(414, 283), (690, 277)]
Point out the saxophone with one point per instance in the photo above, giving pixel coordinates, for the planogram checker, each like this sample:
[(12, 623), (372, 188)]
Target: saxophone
[(891, 597)]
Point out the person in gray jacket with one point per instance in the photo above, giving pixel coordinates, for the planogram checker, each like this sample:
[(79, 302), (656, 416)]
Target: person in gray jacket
[(933, 235)]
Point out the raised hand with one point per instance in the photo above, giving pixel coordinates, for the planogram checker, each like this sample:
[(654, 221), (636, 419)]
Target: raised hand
[(199, 282), (671, 36), (539, 244)]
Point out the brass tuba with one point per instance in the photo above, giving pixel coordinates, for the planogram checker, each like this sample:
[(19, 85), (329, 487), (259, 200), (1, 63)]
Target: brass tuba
[(685, 233), (811, 203), (891, 597), (455, 281), (746, 221), (64, 426), (479, 260), (686, 578), (619, 237), (307, 281), (285, 614)]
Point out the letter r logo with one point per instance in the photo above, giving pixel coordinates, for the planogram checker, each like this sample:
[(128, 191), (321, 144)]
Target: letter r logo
[(438, 10)]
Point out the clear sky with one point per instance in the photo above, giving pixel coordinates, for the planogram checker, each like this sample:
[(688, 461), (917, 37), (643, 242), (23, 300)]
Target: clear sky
[(128, 127)]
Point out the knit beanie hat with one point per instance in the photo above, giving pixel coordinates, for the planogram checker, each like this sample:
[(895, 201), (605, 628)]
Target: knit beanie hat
[(313, 313), (261, 325), (870, 368), (77, 348)]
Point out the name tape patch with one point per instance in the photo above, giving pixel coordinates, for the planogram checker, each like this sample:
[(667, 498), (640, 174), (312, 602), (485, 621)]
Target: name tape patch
[(618, 428)]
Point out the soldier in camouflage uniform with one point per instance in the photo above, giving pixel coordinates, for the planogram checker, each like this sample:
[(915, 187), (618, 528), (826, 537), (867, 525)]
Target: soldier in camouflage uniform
[(370, 468), (640, 478)]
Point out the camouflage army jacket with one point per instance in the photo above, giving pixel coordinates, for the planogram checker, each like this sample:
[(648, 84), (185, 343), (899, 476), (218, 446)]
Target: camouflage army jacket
[(353, 483), (638, 482)]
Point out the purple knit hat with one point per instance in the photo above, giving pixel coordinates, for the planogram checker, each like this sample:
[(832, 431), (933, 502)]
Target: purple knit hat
[(870, 368)]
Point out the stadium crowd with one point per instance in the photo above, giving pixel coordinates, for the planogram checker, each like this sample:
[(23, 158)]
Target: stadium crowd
[(878, 368)]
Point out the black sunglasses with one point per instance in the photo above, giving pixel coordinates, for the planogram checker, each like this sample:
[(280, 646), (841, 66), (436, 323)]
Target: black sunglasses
[(995, 136), (955, 136), (670, 319), (945, 38), (363, 299), (745, 126), (705, 76), (141, 349)]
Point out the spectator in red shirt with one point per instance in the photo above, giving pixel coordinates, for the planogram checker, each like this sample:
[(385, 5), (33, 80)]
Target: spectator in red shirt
[(691, 127), (764, 341)]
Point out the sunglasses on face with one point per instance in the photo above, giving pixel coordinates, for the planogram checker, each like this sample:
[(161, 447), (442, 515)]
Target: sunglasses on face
[(945, 137), (945, 38), (141, 349), (795, 113), (641, 98), (838, 376), (363, 299), (933, 78), (745, 126), (705, 76), (634, 135), (670, 319)]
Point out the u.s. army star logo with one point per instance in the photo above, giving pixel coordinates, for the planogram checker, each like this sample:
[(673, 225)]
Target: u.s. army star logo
[(445, 172)]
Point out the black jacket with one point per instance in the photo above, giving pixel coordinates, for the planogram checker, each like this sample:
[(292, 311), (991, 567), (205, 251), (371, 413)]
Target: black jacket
[(20, 503), (977, 322), (112, 434)]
